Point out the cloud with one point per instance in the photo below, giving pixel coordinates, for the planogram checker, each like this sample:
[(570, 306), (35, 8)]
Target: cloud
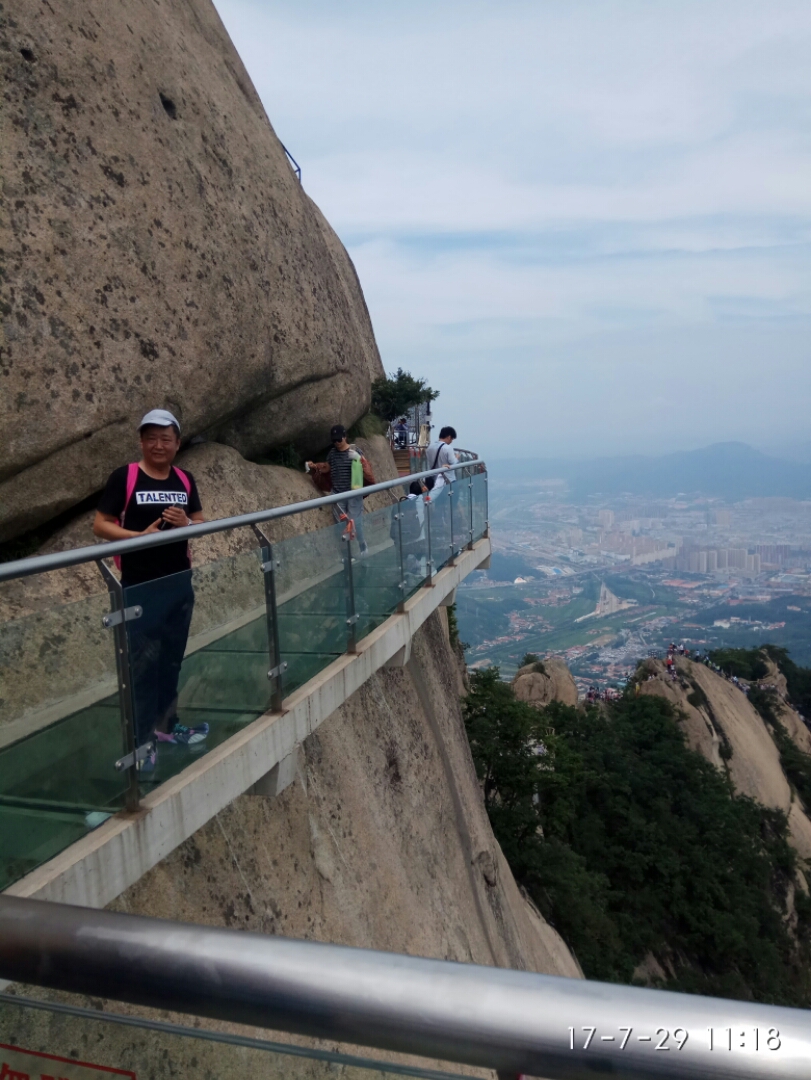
[(548, 197)]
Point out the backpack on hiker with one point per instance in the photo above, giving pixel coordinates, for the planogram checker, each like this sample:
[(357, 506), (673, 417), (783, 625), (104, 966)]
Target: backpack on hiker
[(430, 481), (132, 480)]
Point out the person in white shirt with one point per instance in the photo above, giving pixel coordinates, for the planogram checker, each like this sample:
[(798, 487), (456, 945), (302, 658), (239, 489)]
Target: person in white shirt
[(440, 456)]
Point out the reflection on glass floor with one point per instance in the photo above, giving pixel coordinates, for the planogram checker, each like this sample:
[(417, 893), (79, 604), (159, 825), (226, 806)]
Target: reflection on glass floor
[(60, 782)]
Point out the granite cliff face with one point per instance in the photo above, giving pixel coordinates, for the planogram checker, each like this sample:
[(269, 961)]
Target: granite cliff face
[(156, 249), (721, 724)]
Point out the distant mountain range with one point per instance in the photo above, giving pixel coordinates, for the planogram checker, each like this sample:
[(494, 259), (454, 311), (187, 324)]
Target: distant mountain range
[(731, 470)]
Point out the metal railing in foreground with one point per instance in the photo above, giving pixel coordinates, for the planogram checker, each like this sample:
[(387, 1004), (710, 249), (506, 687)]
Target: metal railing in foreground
[(86, 683), (511, 1021)]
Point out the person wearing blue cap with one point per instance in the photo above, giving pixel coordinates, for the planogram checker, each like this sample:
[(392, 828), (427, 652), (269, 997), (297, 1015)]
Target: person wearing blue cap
[(145, 497)]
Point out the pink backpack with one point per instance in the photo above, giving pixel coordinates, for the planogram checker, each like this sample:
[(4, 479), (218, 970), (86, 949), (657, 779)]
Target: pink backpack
[(132, 480)]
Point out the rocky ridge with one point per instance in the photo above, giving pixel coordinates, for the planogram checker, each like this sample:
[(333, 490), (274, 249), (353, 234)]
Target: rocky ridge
[(720, 723), (542, 682)]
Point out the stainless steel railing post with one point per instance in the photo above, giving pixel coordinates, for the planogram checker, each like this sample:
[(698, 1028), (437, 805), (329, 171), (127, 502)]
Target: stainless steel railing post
[(399, 516), (117, 621), (451, 500), (277, 669), (349, 594), (429, 562), (470, 511)]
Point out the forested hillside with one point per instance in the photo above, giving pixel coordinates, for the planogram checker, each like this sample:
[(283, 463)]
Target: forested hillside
[(638, 849)]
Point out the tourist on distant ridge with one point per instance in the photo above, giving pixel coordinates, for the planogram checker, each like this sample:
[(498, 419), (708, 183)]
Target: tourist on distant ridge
[(338, 467), (401, 433), (146, 497)]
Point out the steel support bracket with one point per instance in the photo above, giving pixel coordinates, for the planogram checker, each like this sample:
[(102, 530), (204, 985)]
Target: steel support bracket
[(129, 759), (278, 670), (114, 618)]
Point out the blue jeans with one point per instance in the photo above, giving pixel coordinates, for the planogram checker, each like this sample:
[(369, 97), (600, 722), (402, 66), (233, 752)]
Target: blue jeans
[(157, 642), (353, 508)]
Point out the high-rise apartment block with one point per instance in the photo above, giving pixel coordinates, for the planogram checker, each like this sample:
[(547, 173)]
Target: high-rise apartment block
[(722, 518), (712, 562), (775, 554), (606, 518)]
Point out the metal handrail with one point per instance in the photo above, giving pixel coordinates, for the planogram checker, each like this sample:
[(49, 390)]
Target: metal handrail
[(511, 1021), (295, 164), (58, 560)]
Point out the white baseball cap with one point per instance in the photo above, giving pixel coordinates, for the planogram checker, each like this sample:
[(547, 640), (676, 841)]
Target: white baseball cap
[(160, 418)]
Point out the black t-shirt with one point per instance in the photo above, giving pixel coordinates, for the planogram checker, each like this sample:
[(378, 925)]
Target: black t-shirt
[(149, 499), (340, 467)]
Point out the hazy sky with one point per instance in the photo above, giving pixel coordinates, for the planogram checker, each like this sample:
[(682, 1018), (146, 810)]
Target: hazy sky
[(588, 224)]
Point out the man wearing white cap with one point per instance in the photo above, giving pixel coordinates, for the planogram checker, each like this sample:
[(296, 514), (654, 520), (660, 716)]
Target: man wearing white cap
[(145, 497)]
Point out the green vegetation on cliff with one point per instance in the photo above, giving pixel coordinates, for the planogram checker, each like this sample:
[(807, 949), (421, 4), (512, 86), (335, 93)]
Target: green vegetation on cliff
[(633, 845), (798, 679), (796, 764), (394, 395), (744, 663)]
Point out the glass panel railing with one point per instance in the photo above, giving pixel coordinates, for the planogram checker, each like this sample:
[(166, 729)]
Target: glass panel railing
[(311, 599), (461, 511), (414, 543), (479, 495), (199, 658), (440, 510), (377, 571), (60, 732), (44, 1040)]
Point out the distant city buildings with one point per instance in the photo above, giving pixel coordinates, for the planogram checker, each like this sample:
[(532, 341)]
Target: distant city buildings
[(689, 562), (712, 560)]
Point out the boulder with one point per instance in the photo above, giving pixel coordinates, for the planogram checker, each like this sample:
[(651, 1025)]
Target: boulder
[(157, 251), (555, 683)]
